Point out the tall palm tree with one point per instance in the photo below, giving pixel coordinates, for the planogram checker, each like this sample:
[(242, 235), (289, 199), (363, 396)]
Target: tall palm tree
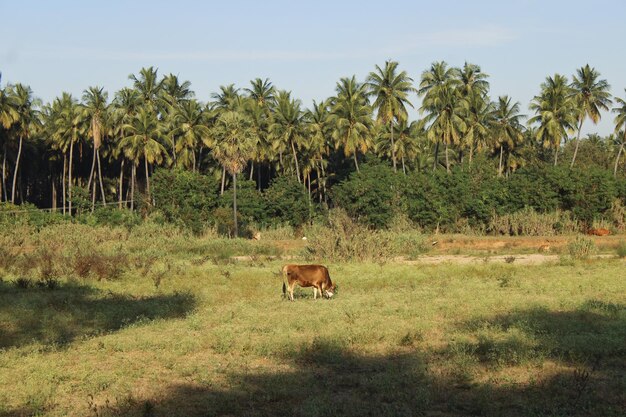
[(234, 146), (507, 127), (590, 95), (320, 135), (148, 86), (391, 90), (125, 106), (27, 119), (351, 118), (555, 111), (95, 108), (261, 91), (227, 99), (439, 97), (142, 141), (288, 127), (620, 128), (472, 80), (8, 116), (191, 130)]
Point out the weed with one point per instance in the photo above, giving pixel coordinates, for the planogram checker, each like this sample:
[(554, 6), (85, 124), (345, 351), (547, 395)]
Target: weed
[(581, 248), (621, 249), (23, 283), (509, 259)]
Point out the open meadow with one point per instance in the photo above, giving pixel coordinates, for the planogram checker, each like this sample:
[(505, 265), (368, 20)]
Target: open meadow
[(155, 322)]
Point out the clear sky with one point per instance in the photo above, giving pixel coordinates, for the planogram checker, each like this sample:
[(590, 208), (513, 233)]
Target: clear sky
[(306, 46)]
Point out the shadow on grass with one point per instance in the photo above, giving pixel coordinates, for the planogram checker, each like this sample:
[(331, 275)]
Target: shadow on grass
[(57, 317), (325, 377)]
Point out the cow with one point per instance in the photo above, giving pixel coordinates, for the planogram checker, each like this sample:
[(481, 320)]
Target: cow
[(315, 276), (599, 232)]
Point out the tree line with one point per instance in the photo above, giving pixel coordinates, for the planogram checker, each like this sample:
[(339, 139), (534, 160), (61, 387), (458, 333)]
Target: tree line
[(107, 148)]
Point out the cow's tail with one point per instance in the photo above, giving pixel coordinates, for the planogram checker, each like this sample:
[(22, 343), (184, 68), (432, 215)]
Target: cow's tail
[(284, 289)]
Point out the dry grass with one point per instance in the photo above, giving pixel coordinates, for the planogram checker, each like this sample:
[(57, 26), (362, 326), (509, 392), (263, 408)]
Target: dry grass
[(217, 338)]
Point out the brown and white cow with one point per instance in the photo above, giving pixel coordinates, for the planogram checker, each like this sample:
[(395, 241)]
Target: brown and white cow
[(315, 276)]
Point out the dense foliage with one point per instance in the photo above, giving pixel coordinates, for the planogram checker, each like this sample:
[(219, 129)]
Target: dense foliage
[(257, 156)]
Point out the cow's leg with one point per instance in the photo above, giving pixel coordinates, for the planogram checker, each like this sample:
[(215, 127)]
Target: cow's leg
[(291, 285), (315, 293)]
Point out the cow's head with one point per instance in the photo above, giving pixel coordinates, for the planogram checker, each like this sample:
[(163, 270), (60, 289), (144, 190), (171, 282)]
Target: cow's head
[(329, 292)]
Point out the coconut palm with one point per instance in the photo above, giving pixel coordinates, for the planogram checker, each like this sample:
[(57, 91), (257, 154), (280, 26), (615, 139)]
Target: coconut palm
[(191, 130), (142, 141), (620, 128), (351, 118), (262, 91), (555, 109), (95, 108), (227, 99), (148, 86), (288, 126), (234, 146), (126, 104), (590, 95), (391, 91), (8, 116), (27, 119), (507, 127), (319, 133), (439, 98), (472, 81)]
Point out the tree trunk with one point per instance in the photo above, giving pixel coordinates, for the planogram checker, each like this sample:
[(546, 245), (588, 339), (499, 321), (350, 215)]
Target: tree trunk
[(69, 175), (93, 169), (4, 173), (63, 183), (258, 176), (295, 159), (500, 164), (356, 163), (471, 154), (436, 155), (223, 180), (54, 195), (556, 156), (403, 166), (132, 186), (199, 158), (104, 202), (145, 159), (393, 146), (619, 154), (251, 170), (447, 160), (580, 125), (121, 188), (319, 182), (235, 228), (17, 166), (93, 196)]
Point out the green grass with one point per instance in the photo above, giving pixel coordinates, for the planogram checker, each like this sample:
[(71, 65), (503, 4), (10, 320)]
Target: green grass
[(217, 338)]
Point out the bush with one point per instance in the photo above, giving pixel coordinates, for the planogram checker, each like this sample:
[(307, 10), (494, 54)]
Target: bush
[(185, 198), (251, 206), (581, 248), (288, 201), (371, 196), (621, 249)]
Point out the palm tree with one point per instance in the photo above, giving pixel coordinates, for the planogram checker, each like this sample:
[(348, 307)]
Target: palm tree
[(8, 116), (227, 99), (95, 108), (142, 141), (148, 86), (351, 118), (27, 119), (126, 105), (472, 80), (262, 91), (191, 130), (234, 146), (438, 89), (620, 124), (391, 90), (507, 128), (319, 134), (555, 111), (288, 125), (591, 95)]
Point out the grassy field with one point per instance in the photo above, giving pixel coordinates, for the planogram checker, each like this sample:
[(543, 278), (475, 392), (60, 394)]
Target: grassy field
[(192, 333)]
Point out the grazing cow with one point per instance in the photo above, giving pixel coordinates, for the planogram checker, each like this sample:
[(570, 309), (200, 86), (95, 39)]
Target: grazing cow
[(599, 232), (315, 276)]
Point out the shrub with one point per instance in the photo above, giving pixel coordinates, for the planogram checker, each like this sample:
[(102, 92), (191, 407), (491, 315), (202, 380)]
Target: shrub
[(621, 249), (581, 248), (288, 201), (185, 198), (251, 206)]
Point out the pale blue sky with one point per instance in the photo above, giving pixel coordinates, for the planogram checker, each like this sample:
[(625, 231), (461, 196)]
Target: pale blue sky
[(305, 47)]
